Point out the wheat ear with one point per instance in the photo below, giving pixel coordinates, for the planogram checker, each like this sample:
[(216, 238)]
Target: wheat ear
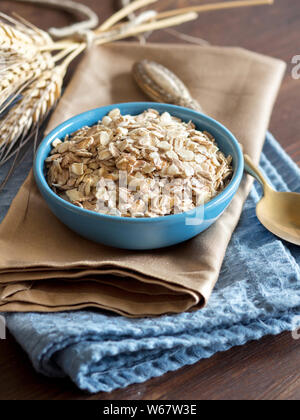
[(29, 112), (16, 76), (37, 100), (21, 31)]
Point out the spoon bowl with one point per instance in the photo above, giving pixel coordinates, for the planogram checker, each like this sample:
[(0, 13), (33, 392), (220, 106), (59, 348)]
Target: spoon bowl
[(279, 212)]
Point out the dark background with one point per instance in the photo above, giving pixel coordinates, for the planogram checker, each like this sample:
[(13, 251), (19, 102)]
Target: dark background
[(269, 368)]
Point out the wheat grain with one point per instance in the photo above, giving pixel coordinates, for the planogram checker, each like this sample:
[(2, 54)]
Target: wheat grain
[(37, 100), (9, 57), (10, 36), (48, 92)]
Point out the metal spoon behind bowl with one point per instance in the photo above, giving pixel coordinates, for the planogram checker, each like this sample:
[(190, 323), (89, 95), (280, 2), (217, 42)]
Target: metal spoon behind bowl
[(279, 212)]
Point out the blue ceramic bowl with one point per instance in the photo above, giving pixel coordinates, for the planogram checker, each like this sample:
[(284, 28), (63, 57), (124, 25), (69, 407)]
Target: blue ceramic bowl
[(140, 233)]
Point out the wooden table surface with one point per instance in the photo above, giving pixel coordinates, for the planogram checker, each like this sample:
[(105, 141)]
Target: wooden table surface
[(267, 369)]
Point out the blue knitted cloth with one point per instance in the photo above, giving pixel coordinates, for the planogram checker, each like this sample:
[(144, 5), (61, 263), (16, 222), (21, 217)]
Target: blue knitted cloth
[(258, 293)]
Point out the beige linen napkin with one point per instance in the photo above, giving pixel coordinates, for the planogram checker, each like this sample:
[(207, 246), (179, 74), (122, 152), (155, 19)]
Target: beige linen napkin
[(44, 266)]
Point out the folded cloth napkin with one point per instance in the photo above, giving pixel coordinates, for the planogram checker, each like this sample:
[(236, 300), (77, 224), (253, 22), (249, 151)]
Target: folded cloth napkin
[(258, 293), (46, 267)]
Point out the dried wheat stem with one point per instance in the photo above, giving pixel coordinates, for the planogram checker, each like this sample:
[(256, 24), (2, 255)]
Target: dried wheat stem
[(124, 12), (126, 30), (164, 23), (64, 52), (214, 6), (81, 47)]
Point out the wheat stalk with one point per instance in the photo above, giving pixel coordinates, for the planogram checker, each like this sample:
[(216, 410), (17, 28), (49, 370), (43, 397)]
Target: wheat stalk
[(214, 7)]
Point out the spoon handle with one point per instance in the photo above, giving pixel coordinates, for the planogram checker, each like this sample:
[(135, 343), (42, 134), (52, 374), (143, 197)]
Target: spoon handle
[(254, 171)]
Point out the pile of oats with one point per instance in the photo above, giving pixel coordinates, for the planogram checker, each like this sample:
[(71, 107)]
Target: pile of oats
[(147, 165)]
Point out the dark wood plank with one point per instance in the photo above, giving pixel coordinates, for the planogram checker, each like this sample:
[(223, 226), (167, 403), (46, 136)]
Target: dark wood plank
[(267, 369)]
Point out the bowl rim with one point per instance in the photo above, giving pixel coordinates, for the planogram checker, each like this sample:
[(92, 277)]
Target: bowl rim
[(42, 184)]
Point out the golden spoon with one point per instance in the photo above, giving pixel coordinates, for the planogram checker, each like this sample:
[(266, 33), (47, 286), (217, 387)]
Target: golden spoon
[(279, 212)]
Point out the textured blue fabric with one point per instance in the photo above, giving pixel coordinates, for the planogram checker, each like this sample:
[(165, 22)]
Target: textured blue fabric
[(258, 293)]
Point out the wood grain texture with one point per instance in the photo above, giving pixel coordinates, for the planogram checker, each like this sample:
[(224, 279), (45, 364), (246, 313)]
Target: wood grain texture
[(267, 369)]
